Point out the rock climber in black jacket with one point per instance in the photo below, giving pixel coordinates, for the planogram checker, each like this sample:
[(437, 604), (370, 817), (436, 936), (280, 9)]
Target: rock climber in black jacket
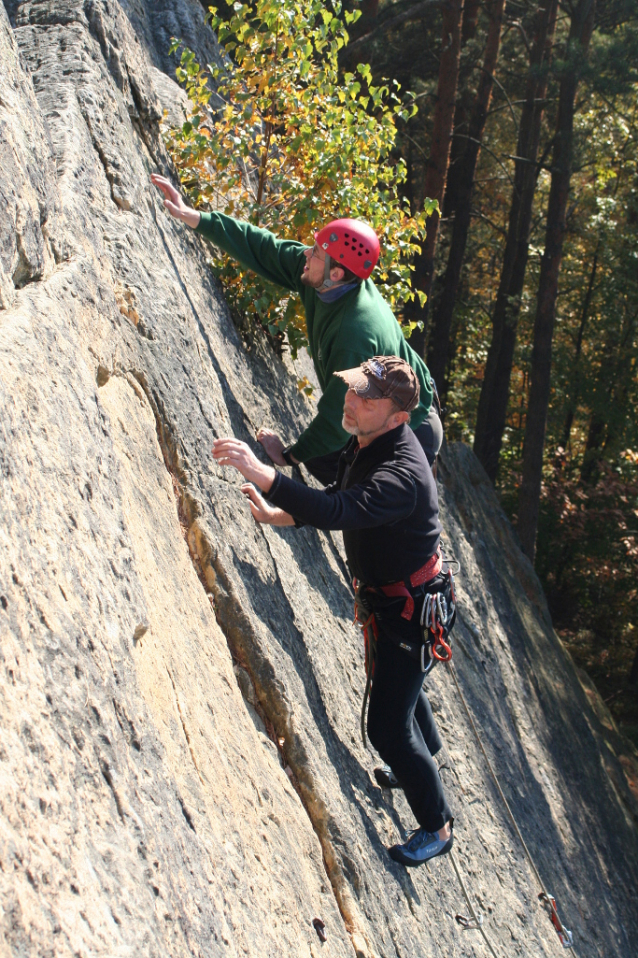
[(385, 501)]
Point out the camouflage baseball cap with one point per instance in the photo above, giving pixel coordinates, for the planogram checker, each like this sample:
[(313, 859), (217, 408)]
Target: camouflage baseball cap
[(384, 377)]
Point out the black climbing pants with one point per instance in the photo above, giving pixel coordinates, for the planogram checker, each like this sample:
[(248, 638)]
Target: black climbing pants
[(429, 434), (402, 729)]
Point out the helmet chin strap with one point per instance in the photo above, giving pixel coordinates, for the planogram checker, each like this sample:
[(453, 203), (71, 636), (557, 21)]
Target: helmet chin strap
[(327, 282)]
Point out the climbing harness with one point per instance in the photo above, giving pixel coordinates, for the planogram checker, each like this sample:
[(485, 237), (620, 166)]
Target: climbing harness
[(547, 900), (423, 575), (438, 615)]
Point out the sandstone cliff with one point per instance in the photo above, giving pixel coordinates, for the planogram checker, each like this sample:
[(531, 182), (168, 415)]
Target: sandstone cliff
[(180, 766)]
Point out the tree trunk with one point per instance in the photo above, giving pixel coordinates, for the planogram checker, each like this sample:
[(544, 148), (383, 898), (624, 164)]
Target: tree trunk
[(463, 177), (529, 496), (589, 469), (584, 316), (492, 408), (437, 165), (462, 110)]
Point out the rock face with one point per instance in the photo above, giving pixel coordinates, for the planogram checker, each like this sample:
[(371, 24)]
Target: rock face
[(180, 766)]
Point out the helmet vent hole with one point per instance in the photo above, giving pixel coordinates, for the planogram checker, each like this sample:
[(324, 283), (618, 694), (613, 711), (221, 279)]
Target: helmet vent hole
[(359, 254), (347, 235), (341, 256)]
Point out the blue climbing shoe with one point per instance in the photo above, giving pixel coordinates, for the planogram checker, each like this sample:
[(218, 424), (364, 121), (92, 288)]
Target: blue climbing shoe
[(385, 777), (420, 848)]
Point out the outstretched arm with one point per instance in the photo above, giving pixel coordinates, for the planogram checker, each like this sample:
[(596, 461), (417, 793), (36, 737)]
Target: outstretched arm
[(174, 202), (279, 261), (386, 496)]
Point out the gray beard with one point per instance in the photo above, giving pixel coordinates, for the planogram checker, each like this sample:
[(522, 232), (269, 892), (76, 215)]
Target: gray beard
[(355, 431), (352, 430)]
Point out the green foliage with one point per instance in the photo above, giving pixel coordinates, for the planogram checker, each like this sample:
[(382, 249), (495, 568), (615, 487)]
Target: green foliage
[(291, 146)]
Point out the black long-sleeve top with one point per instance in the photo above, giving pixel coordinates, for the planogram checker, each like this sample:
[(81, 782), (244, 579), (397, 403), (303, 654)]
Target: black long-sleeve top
[(384, 499)]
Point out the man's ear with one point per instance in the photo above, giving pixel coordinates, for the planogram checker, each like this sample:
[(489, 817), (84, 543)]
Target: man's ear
[(401, 416), (336, 274)]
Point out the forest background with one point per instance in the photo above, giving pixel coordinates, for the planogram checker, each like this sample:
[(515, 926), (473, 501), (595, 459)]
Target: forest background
[(520, 117)]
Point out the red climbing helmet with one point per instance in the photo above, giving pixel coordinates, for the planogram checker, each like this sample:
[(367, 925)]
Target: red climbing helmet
[(352, 244)]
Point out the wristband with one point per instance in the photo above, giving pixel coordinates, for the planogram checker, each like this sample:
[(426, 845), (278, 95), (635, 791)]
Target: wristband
[(286, 454)]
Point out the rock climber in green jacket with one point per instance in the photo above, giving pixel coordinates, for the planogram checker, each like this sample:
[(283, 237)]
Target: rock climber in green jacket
[(347, 319)]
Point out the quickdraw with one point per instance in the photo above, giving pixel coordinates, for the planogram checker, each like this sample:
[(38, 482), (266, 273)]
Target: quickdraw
[(434, 617), (437, 618), (565, 936), (466, 921)]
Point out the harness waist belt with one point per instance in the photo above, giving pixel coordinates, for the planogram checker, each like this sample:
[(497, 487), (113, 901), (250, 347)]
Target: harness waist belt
[(428, 571)]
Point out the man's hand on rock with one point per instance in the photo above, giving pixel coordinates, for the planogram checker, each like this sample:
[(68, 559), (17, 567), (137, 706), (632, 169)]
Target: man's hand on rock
[(233, 452), (262, 512), (174, 202), (274, 446)]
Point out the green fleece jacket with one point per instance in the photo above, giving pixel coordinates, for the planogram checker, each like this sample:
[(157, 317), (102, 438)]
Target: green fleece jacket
[(341, 335)]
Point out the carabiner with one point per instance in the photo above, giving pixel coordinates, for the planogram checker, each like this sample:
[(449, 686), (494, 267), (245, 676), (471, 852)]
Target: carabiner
[(440, 643)]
